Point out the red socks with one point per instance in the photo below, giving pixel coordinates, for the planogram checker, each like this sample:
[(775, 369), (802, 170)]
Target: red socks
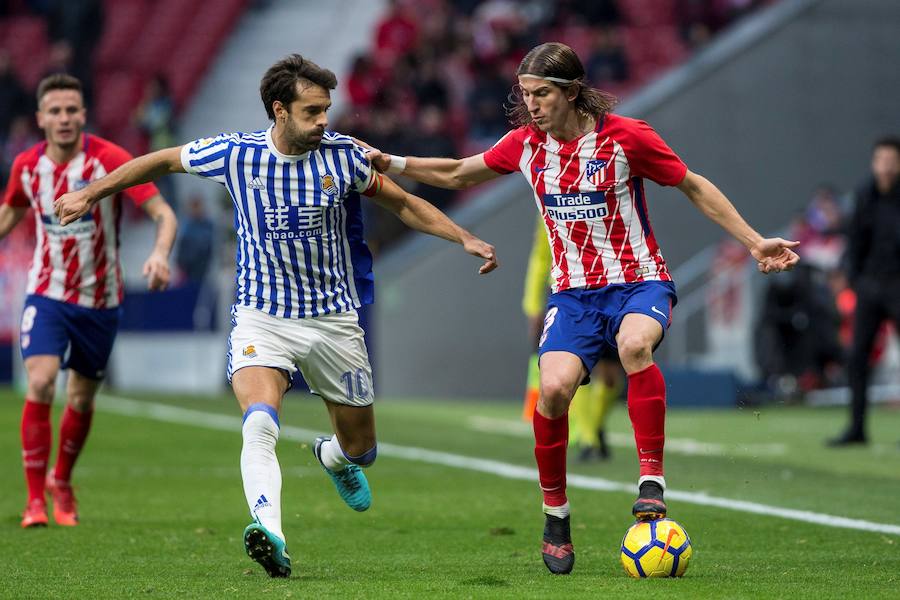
[(73, 430), (36, 438), (551, 436), (647, 409)]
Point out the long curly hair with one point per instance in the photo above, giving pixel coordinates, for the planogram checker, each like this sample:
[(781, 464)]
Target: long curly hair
[(558, 61)]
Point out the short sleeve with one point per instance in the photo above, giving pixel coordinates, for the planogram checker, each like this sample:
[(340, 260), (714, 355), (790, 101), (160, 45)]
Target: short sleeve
[(650, 157), (208, 157), (15, 194), (361, 170), (503, 157), (113, 157)]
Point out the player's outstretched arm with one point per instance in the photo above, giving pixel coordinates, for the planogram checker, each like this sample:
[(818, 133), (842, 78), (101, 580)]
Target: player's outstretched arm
[(418, 214), (74, 205), (9, 218), (450, 173), (156, 267), (772, 254)]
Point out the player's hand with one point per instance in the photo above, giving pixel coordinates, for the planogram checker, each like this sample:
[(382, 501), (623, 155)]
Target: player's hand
[(774, 255), (380, 161), (156, 270), (477, 247), (72, 206)]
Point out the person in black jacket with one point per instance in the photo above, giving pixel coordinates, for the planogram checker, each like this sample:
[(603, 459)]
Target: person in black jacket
[(873, 267)]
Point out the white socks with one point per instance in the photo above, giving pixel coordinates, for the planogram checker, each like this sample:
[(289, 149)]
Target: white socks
[(259, 467), (332, 455), (557, 511), (655, 478)]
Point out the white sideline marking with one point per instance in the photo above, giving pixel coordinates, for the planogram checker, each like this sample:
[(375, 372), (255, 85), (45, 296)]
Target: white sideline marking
[(196, 418), (688, 446)]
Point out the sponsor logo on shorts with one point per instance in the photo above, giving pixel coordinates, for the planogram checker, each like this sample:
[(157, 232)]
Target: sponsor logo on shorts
[(249, 351)]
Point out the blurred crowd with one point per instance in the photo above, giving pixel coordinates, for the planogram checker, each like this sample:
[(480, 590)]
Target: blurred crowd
[(74, 30), (433, 83), (439, 72)]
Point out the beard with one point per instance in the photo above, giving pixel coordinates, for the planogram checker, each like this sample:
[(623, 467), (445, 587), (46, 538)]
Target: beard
[(302, 141)]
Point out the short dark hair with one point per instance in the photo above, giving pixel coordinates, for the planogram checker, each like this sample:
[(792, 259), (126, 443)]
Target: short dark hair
[(888, 142), (58, 81), (280, 81), (557, 60)]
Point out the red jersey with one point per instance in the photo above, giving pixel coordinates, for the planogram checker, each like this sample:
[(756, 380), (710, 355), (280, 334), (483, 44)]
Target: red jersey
[(590, 193), (78, 263)]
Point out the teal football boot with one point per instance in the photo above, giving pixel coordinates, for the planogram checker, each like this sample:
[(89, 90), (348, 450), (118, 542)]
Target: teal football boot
[(350, 481), (267, 549)]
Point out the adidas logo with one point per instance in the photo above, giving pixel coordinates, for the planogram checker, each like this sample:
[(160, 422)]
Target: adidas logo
[(261, 502), (256, 184)]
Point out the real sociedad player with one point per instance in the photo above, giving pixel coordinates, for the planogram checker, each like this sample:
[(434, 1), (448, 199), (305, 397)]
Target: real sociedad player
[(611, 284), (74, 288), (302, 271)]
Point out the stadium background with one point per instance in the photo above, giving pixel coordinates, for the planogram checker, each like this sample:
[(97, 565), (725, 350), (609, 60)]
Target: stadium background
[(777, 102), (772, 100)]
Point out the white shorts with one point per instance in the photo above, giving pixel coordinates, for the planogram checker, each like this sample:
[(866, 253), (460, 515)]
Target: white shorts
[(329, 350)]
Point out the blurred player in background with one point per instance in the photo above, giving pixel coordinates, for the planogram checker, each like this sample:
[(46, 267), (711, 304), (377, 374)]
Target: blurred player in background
[(591, 403), (611, 283), (873, 266), (303, 270), (75, 286)]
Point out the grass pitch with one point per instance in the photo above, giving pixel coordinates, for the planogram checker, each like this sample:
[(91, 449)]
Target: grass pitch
[(163, 511)]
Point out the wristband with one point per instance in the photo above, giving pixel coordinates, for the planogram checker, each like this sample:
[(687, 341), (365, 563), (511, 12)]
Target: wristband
[(398, 164)]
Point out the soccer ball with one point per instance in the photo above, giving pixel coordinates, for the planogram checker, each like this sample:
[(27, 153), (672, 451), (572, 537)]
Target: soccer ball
[(659, 548)]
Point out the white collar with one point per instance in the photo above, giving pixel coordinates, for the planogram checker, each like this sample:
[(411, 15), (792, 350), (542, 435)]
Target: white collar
[(281, 155)]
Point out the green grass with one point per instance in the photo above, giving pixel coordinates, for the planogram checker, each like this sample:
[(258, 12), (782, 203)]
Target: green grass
[(162, 512)]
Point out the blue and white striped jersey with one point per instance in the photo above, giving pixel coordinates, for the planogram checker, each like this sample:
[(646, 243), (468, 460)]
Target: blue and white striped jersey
[(300, 251)]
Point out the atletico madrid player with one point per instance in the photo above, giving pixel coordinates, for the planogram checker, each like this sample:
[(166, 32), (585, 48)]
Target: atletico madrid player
[(74, 285), (611, 285)]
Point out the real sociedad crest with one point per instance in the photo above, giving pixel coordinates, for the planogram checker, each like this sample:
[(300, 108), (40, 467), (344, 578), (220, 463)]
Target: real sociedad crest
[(327, 184), (593, 167)]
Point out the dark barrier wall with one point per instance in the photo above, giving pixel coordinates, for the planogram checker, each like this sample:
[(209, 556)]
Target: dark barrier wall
[(790, 98)]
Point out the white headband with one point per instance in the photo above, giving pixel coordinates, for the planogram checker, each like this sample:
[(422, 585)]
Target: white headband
[(553, 79)]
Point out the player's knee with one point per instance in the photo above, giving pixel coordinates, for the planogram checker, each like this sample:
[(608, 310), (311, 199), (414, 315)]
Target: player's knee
[(41, 386), (556, 393), (634, 349), (364, 459)]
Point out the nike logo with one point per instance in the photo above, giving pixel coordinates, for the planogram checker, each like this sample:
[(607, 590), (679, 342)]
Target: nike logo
[(672, 533), (642, 451), (660, 313), (540, 169)]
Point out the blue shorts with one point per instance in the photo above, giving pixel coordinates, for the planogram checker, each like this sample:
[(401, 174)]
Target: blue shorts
[(585, 322), (81, 337)]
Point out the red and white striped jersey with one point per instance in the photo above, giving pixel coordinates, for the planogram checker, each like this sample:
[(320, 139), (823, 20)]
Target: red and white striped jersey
[(78, 263), (590, 193)]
